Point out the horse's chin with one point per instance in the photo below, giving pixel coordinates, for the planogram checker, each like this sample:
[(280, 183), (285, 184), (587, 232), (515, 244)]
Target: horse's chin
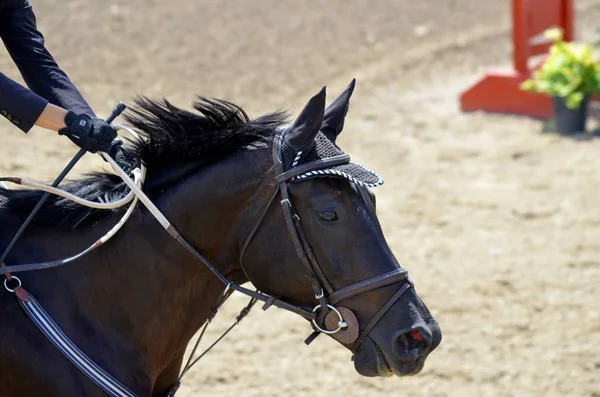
[(371, 361)]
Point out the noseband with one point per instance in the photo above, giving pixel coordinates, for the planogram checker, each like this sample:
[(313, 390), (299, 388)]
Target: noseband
[(325, 295)]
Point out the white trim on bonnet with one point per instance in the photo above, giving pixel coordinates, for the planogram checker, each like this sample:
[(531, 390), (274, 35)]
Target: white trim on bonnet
[(329, 171), (371, 171), (298, 155)]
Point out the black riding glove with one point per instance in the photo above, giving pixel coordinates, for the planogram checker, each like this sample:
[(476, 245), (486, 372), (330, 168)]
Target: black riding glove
[(89, 133)]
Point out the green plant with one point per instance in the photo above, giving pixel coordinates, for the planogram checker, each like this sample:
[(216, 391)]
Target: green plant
[(569, 72)]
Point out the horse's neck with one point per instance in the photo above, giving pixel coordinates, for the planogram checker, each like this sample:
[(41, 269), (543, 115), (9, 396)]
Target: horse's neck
[(142, 294), (213, 210)]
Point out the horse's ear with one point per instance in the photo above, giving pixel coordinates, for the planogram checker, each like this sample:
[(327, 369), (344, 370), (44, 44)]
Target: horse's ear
[(335, 114), (302, 133)]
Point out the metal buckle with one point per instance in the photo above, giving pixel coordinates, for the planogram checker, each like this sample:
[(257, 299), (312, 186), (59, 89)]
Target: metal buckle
[(341, 322), (13, 278)]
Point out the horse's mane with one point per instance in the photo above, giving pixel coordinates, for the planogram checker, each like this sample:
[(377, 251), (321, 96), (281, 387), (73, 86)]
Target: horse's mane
[(170, 137)]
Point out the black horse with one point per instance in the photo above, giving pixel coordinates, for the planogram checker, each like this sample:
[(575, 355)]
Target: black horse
[(133, 305)]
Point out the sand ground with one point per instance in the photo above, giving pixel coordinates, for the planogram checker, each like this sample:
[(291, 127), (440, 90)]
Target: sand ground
[(498, 222)]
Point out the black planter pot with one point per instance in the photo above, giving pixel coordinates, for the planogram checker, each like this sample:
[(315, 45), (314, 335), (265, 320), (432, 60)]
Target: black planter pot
[(570, 121)]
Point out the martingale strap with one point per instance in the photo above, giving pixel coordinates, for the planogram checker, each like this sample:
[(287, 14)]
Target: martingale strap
[(61, 341)]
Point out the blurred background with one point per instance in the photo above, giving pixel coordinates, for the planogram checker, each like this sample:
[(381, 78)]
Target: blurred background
[(497, 221)]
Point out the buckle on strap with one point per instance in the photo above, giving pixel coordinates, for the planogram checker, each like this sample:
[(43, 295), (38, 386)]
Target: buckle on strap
[(320, 295)]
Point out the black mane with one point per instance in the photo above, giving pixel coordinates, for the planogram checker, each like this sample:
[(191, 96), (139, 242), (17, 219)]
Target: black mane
[(170, 137)]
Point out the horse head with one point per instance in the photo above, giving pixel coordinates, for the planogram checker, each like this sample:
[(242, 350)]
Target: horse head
[(338, 229)]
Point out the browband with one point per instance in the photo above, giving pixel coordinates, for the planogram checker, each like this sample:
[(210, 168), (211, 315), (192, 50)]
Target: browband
[(313, 165)]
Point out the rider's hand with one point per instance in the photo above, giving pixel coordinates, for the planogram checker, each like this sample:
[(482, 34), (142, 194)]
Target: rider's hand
[(89, 133)]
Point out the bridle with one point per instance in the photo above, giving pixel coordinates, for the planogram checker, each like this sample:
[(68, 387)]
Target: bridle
[(326, 317), (325, 295)]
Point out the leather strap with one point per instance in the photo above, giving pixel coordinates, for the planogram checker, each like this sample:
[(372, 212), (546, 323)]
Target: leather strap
[(307, 314), (32, 266), (255, 228), (380, 314), (311, 257), (368, 285), (61, 341), (291, 221), (313, 165)]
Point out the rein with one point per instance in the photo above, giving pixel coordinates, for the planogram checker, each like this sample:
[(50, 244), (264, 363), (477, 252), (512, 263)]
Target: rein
[(325, 316)]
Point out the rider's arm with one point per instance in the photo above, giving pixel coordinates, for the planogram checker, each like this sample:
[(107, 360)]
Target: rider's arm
[(24, 109), (43, 76), (19, 105), (26, 46), (52, 118)]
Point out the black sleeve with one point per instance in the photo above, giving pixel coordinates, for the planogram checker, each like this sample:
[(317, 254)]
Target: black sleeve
[(18, 104), (25, 44)]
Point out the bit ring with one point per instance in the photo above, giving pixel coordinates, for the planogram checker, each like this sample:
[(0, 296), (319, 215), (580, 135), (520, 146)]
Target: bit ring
[(341, 323)]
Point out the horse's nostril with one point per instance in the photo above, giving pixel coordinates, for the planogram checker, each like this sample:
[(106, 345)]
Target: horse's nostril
[(407, 342), (415, 335), (412, 343)]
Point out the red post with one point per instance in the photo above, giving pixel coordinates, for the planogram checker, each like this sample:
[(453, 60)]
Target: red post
[(568, 18), (499, 91), (519, 41)]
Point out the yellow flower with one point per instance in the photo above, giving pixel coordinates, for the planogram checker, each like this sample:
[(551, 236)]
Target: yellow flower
[(554, 34)]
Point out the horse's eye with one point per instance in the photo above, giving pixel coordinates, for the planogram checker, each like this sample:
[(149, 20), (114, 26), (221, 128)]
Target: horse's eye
[(328, 216)]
